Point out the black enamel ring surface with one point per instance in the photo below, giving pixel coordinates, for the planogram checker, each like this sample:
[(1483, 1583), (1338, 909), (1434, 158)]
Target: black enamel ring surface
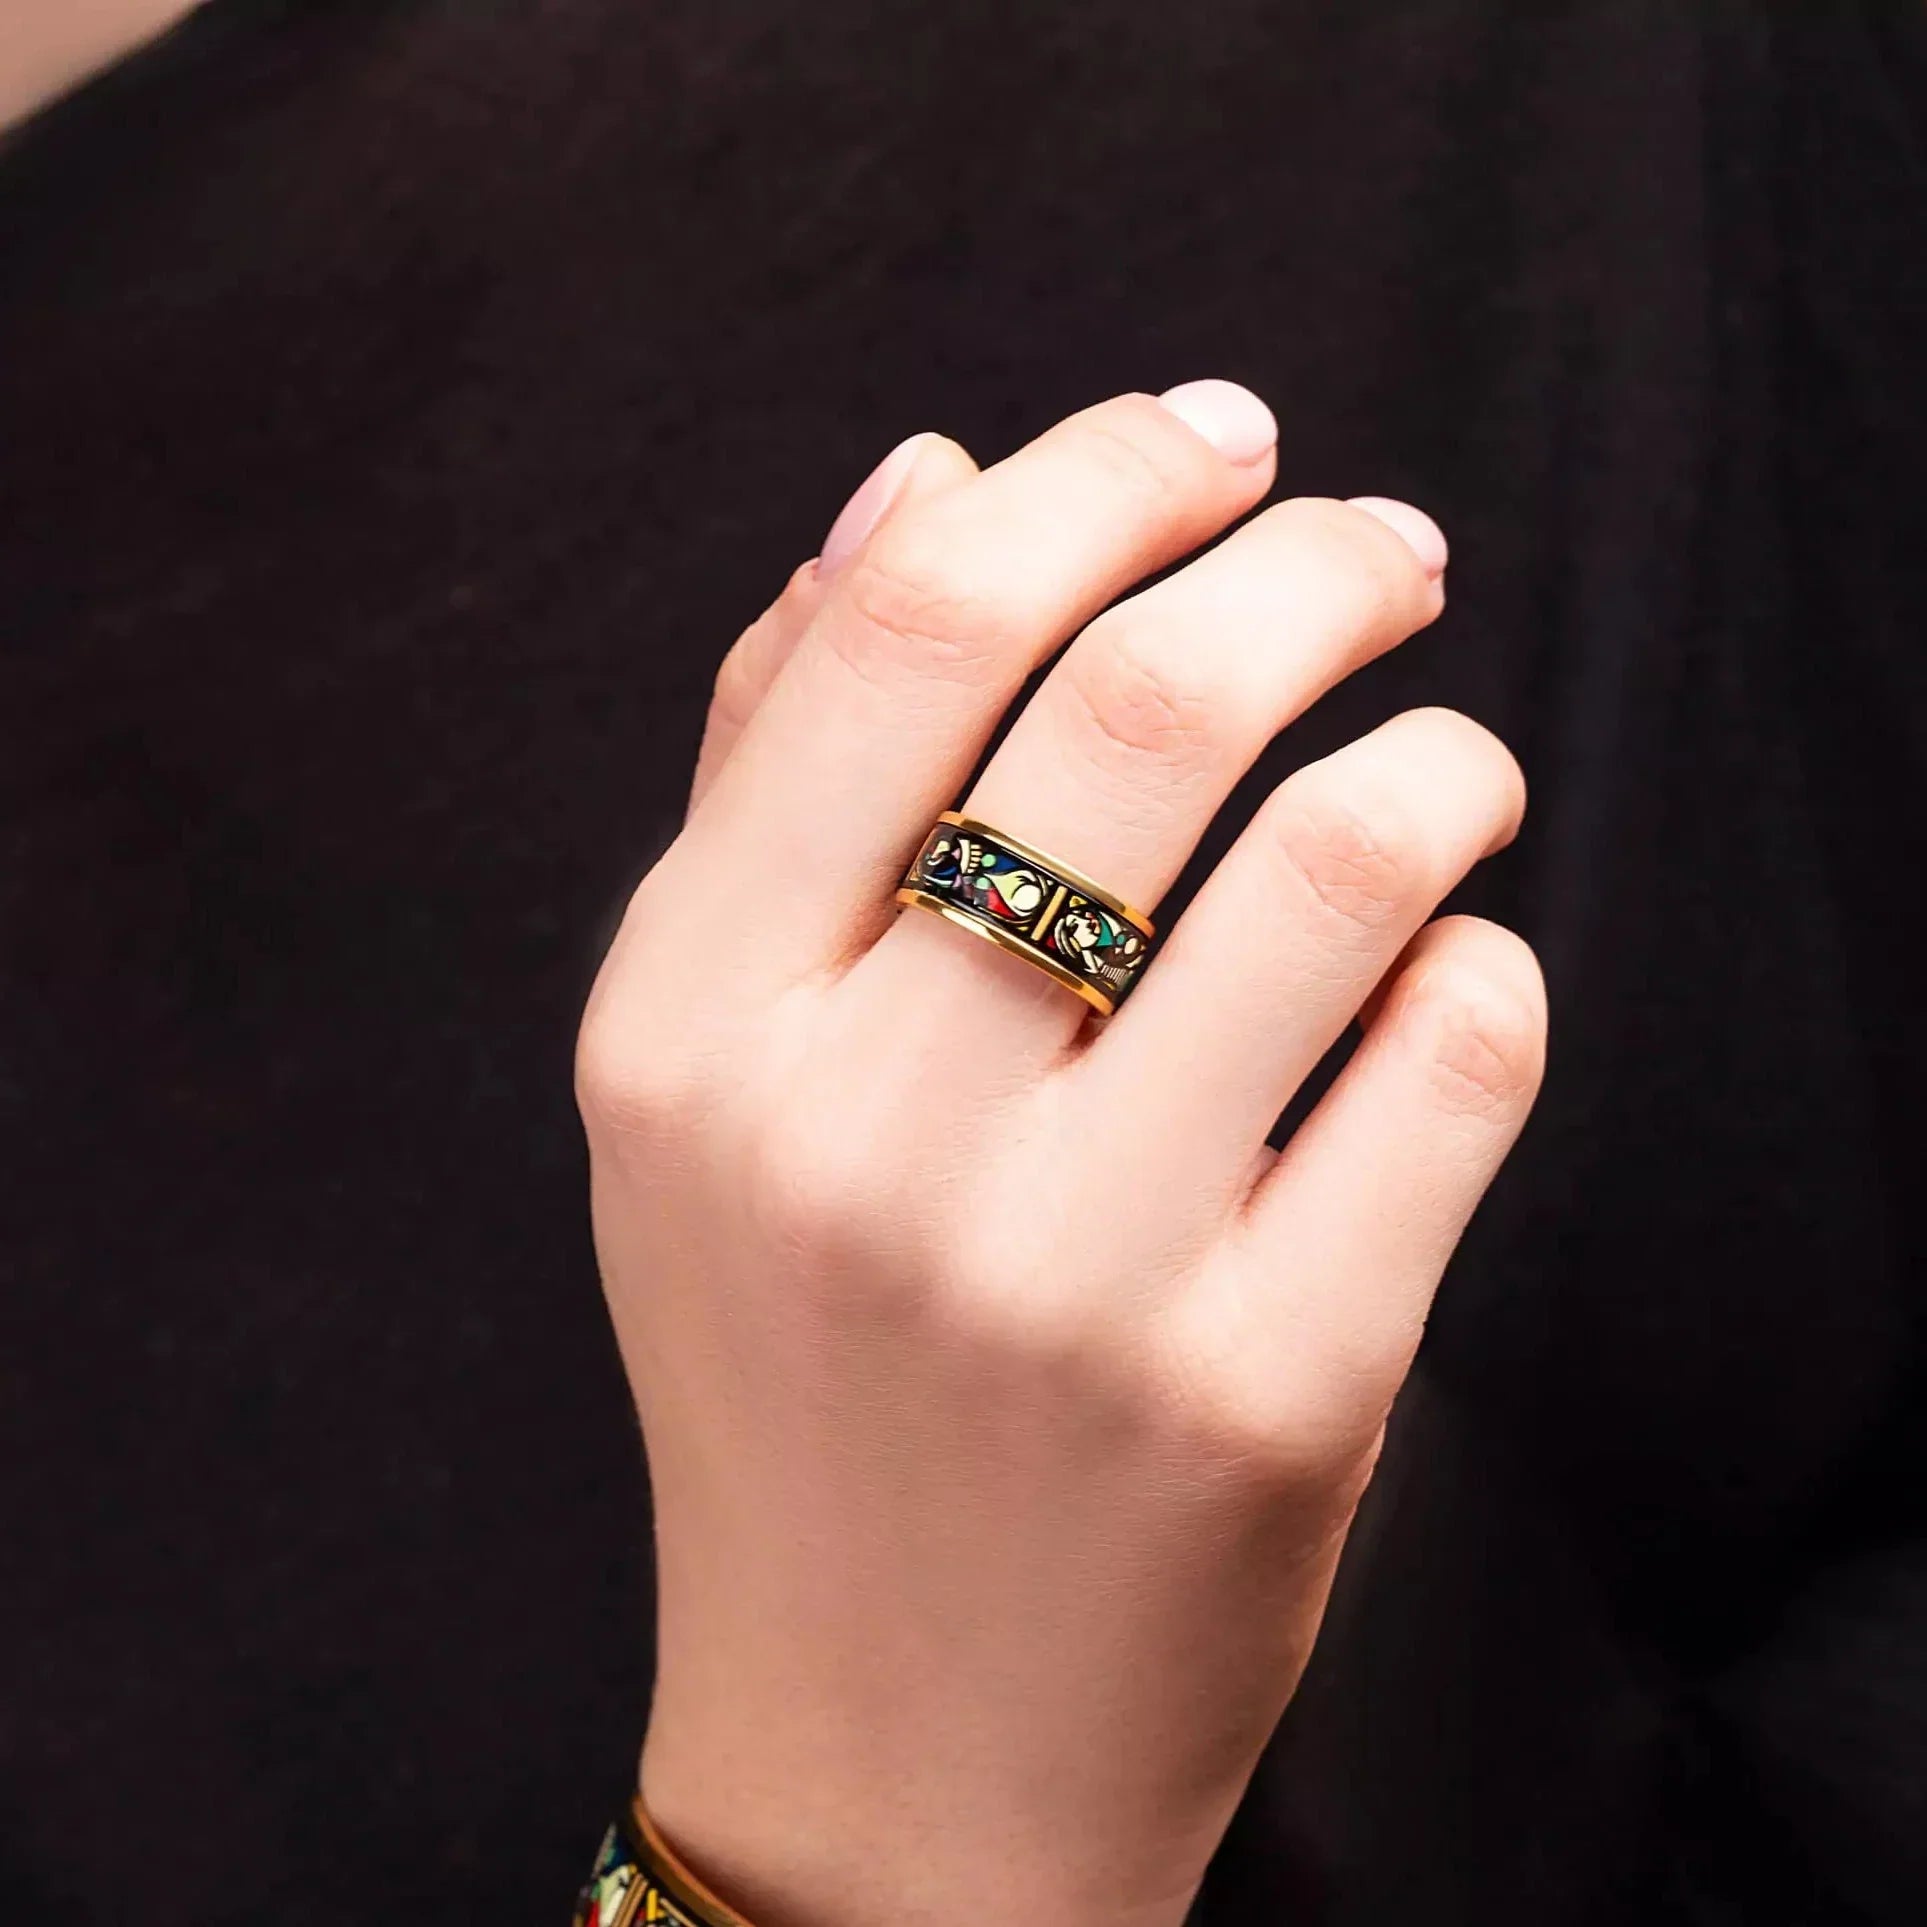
[(1031, 905)]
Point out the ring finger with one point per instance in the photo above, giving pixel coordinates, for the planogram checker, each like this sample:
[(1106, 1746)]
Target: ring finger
[(1143, 727), (901, 675)]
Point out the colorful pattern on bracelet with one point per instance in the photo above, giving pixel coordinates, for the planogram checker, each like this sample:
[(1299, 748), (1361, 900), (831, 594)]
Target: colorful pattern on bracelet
[(620, 1891)]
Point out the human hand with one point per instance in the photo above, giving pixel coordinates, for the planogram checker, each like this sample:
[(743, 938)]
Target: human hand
[(1006, 1404)]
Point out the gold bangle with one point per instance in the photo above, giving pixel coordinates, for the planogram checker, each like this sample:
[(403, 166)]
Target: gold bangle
[(704, 1906), (640, 1880)]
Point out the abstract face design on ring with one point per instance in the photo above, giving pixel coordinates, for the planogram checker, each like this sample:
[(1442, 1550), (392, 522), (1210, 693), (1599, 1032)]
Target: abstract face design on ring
[(1093, 940), (996, 883), (941, 858)]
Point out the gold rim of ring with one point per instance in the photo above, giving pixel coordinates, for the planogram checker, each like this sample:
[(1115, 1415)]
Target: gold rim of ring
[(1066, 976), (1075, 877)]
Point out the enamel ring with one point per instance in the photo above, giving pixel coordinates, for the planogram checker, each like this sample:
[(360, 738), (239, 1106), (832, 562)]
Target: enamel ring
[(1032, 905)]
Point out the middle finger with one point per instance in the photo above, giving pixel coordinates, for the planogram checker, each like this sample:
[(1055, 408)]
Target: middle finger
[(916, 650)]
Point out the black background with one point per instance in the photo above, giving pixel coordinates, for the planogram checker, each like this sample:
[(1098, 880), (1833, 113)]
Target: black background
[(402, 406)]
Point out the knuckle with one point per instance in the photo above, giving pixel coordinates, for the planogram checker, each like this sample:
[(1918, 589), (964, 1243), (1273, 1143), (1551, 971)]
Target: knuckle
[(903, 607), (1017, 1304), (1277, 1433), (604, 1086), (1383, 584), (807, 1178), (738, 685), (1283, 1424), (1485, 1037), (1360, 859), (1472, 735), (1043, 1333), (649, 1050), (1133, 456), (822, 1199), (1480, 751), (1134, 705), (624, 1084)]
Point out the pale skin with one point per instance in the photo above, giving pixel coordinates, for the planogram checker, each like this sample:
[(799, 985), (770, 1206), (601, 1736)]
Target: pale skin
[(47, 46), (1007, 1401)]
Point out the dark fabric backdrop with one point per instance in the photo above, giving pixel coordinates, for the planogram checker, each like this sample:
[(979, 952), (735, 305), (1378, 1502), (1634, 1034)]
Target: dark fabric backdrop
[(402, 405)]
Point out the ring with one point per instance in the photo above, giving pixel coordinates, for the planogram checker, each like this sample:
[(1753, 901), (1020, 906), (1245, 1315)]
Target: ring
[(1031, 905)]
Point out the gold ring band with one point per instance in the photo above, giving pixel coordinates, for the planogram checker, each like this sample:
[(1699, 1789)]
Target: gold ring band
[(1031, 904)]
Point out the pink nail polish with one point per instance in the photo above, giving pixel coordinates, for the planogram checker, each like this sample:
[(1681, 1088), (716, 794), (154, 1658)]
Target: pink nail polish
[(1232, 419), (868, 506), (1423, 536)]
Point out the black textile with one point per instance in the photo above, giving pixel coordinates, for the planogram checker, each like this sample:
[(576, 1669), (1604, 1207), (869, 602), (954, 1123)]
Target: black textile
[(402, 405)]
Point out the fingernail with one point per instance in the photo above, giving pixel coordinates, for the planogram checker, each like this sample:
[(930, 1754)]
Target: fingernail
[(868, 506), (1232, 419), (1423, 536)]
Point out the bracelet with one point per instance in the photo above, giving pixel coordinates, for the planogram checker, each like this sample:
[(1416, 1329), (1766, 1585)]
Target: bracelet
[(638, 1877)]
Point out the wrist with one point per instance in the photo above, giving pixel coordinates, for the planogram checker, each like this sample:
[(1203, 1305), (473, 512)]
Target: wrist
[(816, 1846)]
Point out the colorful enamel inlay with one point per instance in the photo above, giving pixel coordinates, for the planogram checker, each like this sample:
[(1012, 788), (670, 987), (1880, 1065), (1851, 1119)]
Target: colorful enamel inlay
[(620, 1892), (1006, 887)]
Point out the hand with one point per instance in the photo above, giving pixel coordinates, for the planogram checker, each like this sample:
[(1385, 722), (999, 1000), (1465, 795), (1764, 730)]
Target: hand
[(1006, 1403)]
